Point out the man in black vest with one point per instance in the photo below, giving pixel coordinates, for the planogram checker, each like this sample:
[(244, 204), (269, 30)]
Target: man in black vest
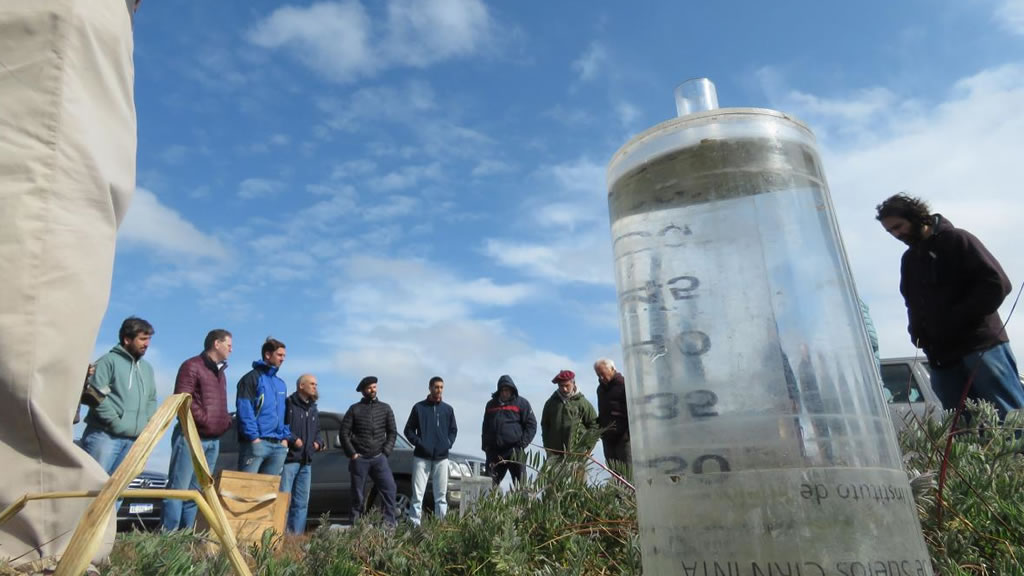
[(368, 434)]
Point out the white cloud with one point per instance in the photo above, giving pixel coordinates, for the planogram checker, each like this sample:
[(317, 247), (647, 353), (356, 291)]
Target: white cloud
[(1010, 14), (586, 257), (488, 167), (628, 114), (340, 202), (174, 154), (590, 63), (341, 42), (152, 225), (412, 108), (368, 105), (406, 177), (422, 32), (961, 154), (406, 320), (403, 292), (855, 115), (331, 38), (252, 188), (353, 168), (581, 175), (394, 207), (571, 216)]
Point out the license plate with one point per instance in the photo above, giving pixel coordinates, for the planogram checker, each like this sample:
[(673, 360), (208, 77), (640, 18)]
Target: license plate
[(140, 508)]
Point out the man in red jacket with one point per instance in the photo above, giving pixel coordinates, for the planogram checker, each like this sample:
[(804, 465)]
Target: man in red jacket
[(201, 376)]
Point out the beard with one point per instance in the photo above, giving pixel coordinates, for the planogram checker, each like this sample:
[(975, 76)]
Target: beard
[(915, 235)]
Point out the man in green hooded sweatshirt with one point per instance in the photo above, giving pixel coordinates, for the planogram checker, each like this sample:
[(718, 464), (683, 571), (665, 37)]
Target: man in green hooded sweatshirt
[(566, 415), (128, 387)]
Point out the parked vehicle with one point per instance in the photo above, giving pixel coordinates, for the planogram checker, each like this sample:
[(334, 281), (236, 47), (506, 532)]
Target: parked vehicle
[(330, 487), (906, 383), (142, 513)]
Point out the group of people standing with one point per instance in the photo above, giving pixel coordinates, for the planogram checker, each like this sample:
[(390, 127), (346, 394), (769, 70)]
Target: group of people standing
[(510, 425), (279, 433)]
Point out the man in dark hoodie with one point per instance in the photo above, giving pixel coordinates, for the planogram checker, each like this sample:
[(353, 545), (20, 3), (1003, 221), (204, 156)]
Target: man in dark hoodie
[(612, 415), (262, 432), (509, 427), (368, 435), (203, 377), (303, 420), (431, 429), (953, 288)]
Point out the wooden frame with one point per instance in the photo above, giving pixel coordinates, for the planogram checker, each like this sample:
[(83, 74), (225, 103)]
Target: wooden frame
[(89, 533)]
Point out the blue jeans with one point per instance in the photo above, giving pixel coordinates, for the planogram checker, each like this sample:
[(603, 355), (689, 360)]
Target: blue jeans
[(379, 470), (108, 450), (995, 379), (176, 514), (295, 479), (438, 472), (263, 457)]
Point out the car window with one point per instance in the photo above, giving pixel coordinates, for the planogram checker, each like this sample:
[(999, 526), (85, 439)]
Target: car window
[(899, 384), (329, 428), (229, 439), (402, 443)]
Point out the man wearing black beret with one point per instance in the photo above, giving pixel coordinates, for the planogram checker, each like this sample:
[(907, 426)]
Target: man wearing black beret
[(368, 434)]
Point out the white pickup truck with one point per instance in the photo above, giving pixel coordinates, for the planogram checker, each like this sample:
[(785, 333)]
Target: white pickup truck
[(907, 385)]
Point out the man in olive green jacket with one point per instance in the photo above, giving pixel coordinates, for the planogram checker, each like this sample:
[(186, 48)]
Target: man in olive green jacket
[(127, 383), (567, 414)]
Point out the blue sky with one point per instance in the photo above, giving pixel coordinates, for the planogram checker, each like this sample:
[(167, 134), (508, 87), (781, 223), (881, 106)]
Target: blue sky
[(409, 188)]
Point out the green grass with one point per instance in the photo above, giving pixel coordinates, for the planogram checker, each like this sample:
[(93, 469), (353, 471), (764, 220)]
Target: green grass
[(561, 524)]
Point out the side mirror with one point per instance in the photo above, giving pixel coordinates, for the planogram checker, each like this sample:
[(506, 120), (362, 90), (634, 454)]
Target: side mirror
[(336, 441)]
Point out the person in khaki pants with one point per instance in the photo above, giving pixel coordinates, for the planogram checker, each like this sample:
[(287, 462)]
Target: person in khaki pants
[(67, 173)]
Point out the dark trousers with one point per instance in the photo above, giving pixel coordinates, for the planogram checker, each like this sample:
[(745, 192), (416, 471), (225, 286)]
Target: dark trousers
[(617, 453), (380, 472), (500, 462)]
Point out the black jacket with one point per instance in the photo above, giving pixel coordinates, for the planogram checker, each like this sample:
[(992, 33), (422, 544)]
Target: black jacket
[(431, 429), (303, 420), (611, 408), (508, 425), (953, 287), (368, 429)]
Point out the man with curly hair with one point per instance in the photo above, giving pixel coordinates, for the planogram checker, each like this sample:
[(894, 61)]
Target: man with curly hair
[(953, 288)]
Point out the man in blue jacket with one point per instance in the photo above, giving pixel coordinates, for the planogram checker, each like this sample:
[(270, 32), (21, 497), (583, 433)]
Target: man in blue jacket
[(260, 403), (431, 430)]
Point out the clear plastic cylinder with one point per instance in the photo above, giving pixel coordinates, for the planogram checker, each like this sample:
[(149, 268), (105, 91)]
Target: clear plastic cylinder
[(695, 95), (761, 441)]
